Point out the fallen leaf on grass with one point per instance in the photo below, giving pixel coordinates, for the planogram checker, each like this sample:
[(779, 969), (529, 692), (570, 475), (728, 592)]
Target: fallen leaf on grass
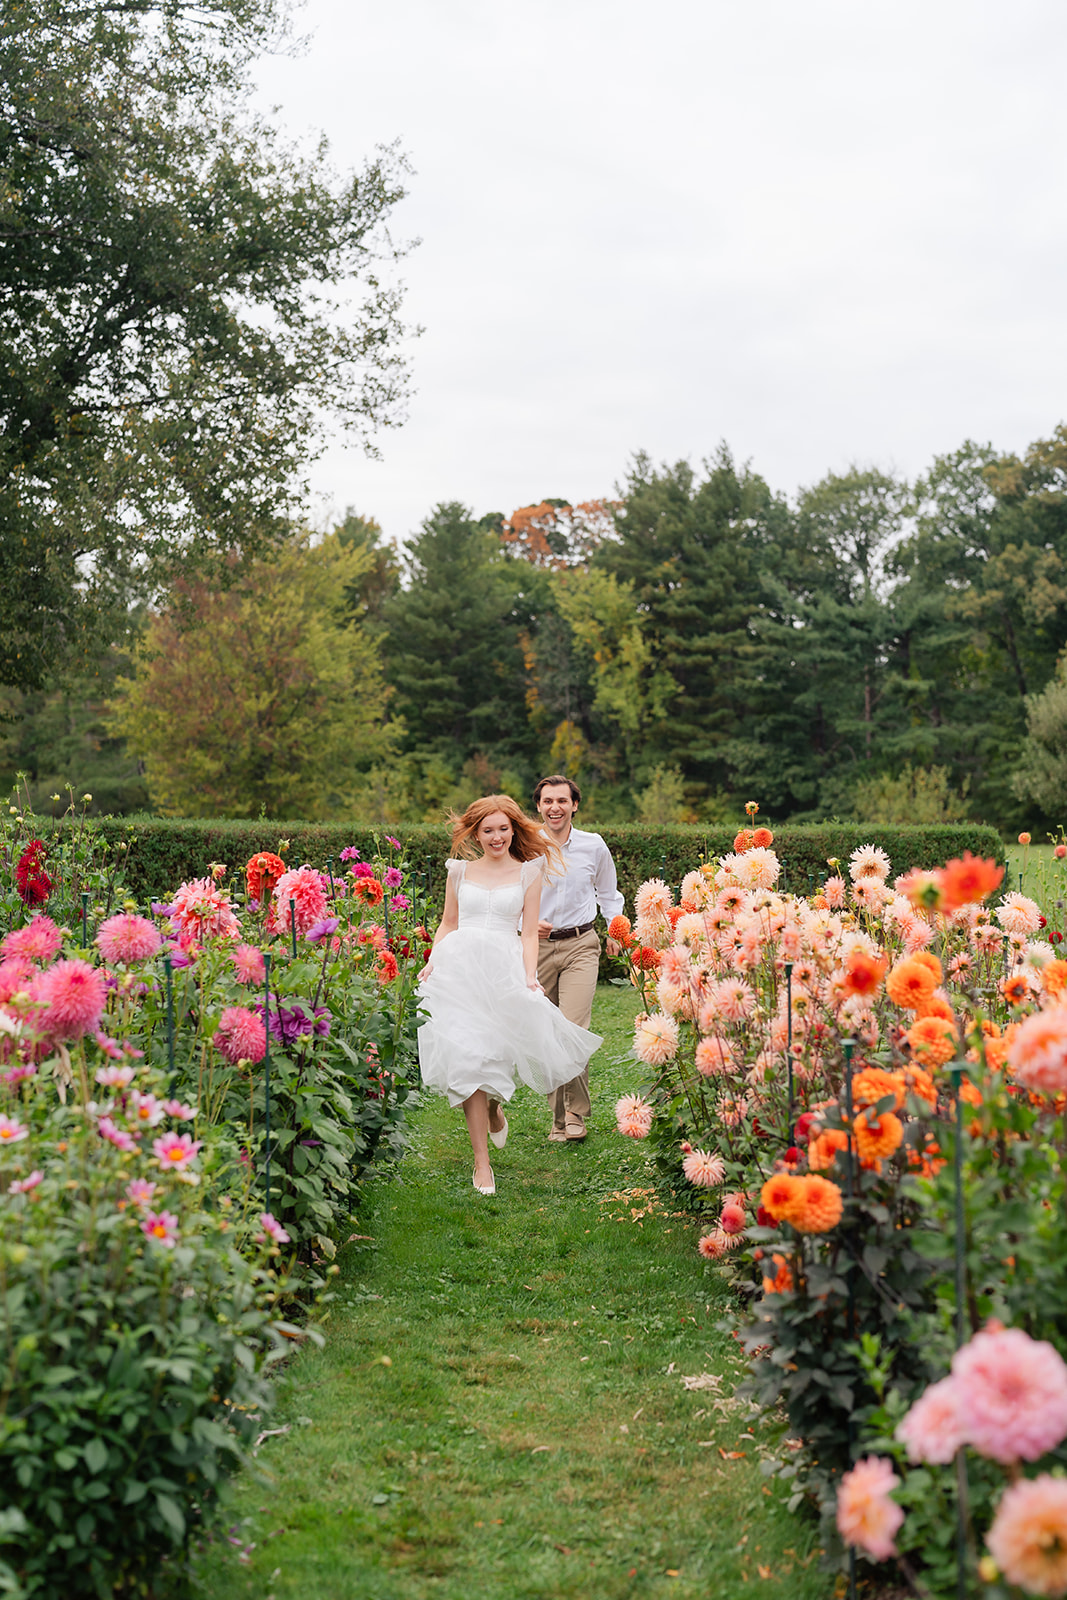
[(733, 1455), (536, 1451), (701, 1380), (764, 1572), (564, 1549), (270, 1433)]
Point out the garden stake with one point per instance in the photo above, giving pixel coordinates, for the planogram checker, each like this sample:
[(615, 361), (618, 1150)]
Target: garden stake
[(170, 1012), (85, 919), (848, 1045), (789, 1043), (292, 924), (385, 909), (329, 869), (962, 1496), (266, 1066)]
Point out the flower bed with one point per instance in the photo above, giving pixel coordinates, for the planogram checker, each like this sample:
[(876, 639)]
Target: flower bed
[(186, 1112), (836, 1078)]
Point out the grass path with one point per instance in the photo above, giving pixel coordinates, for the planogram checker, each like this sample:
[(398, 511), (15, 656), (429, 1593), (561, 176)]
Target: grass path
[(499, 1409)]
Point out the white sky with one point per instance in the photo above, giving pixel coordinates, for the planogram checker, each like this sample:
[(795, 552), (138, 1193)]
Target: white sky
[(822, 230)]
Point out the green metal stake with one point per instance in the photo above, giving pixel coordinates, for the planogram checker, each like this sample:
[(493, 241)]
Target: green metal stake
[(329, 869), (168, 978), (849, 1045), (85, 919), (292, 924), (266, 1066), (789, 1042), (962, 1490)]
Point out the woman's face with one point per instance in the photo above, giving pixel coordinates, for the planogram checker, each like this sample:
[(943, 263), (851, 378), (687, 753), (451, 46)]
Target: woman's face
[(494, 835)]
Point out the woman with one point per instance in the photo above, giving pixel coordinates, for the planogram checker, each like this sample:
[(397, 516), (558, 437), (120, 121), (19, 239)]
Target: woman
[(489, 1018)]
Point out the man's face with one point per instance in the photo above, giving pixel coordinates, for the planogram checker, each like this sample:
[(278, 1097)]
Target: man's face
[(556, 808)]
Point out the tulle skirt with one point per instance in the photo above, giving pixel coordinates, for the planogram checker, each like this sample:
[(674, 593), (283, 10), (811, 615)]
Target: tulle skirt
[(486, 1028)]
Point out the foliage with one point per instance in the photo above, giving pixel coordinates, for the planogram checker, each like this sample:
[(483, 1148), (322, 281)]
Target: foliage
[(185, 299), (918, 795), (244, 698), (814, 1058), (135, 1366), (1041, 774), (82, 856)]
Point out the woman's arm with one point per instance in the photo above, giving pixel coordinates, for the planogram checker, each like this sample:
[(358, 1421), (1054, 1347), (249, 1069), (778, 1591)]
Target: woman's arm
[(448, 924), (531, 909)]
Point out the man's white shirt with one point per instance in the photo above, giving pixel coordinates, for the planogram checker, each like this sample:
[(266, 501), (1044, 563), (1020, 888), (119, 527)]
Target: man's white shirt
[(589, 881)]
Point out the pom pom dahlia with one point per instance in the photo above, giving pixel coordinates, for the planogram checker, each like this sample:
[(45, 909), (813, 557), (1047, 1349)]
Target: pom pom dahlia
[(73, 994), (1011, 1395), (241, 1035), (128, 937), (39, 941), (932, 1431), (865, 1514), (1028, 1539)]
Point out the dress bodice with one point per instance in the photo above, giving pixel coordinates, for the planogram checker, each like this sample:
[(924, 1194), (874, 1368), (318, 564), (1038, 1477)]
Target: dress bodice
[(497, 909)]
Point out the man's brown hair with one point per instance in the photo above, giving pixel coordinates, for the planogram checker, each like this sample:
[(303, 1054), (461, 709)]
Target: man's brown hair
[(557, 777)]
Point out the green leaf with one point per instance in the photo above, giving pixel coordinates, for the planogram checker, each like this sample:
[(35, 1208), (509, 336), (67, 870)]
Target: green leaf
[(96, 1455), (171, 1513)]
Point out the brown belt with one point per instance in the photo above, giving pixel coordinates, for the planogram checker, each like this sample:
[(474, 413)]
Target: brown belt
[(570, 933)]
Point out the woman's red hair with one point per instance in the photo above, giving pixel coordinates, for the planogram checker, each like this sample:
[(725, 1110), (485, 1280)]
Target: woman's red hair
[(527, 840)]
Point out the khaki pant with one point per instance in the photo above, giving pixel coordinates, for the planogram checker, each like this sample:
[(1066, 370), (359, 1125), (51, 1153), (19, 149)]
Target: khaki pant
[(567, 971)]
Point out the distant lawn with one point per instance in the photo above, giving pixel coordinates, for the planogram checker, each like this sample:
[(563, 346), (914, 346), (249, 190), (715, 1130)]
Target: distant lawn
[(499, 1412)]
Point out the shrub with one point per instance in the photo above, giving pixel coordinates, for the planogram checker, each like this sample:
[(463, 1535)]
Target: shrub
[(135, 1337)]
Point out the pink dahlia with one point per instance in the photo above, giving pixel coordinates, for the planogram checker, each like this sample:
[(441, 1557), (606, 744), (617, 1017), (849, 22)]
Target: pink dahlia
[(11, 1132), (710, 1245), (40, 940), (145, 1110), (16, 974), (201, 910), (931, 1431), (24, 1185), (1037, 1055), (1011, 1394), (272, 1229), (703, 1169), (833, 891), (180, 1113), (305, 887), (392, 877), (865, 1514), (653, 899), (241, 1035), (108, 1129), (633, 1116), (732, 1220), (713, 1057), (162, 1227), (128, 938), (656, 1040), (176, 1150), (1017, 913), (139, 1191), (114, 1077), (248, 964), (1028, 1539), (73, 994)]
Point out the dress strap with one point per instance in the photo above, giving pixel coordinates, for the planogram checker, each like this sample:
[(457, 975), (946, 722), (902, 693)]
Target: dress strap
[(531, 871), (456, 869)]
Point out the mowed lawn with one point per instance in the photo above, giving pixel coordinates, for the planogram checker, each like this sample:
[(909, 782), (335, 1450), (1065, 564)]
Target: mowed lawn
[(500, 1409)]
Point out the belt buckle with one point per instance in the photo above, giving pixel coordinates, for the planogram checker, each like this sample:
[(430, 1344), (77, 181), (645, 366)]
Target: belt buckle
[(577, 932)]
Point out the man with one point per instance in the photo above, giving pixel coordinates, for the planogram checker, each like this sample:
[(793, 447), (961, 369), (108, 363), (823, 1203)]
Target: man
[(569, 948)]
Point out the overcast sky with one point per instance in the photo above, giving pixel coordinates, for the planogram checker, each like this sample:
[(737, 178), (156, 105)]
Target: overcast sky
[(824, 231)]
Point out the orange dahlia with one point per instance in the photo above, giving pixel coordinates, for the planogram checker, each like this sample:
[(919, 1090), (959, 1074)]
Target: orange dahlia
[(967, 880), (910, 983), (1015, 989), (933, 1041), (762, 839), (819, 1205), (1054, 976), (646, 958), (936, 1006), (262, 872), (863, 975), (781, 1194), (877, 1138), (782, 1282), (822, 1150), (920, 1083), (926, 958), (742, 842), (620, 929), (874, 1083)]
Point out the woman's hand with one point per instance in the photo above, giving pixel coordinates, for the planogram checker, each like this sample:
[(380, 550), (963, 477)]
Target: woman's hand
[(425, 973), (532, 983)]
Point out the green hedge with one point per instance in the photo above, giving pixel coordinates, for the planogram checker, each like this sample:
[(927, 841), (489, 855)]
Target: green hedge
[(162, 853)]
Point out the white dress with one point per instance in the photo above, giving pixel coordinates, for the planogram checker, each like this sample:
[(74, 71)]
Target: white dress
[(485, 1025)]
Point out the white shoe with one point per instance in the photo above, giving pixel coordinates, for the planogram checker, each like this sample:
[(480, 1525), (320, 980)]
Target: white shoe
[(500, 1138), (487, 1188)]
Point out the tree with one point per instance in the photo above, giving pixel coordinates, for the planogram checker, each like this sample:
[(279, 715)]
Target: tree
[(1041, 772), (555, 534), (694, 554), (182, 300), (455, 646), (265, 694)]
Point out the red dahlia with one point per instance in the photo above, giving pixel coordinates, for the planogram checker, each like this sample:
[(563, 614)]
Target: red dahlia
[(33, 881)]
